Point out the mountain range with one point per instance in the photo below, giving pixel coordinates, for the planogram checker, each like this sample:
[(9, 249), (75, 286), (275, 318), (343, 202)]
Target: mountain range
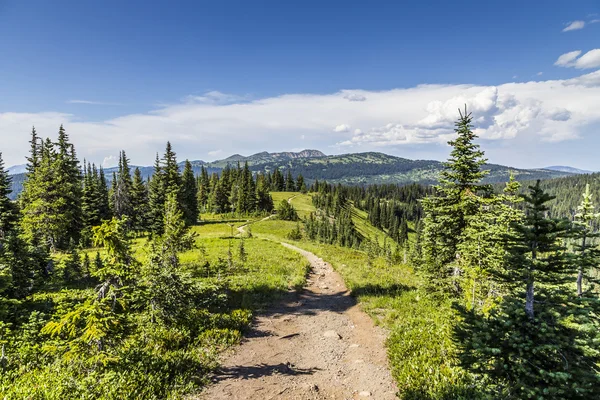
[(351, 169)]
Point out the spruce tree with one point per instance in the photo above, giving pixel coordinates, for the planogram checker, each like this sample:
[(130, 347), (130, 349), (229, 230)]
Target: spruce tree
[(300, 185), (203, 189), (264, 201), (156, 199), (189, 191), (139, 202), (103, 196), (446, 213), (587, 252), (171, 176), (290, 185), (7, 209), (122, 203)]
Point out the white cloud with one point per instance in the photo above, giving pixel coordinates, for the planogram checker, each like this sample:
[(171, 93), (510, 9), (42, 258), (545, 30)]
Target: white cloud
[(540, 73), (574, 25), (342, 128), (352, 96), (567, 58), (90, 102), (216, 97), (214, 153), (591, 59), (594, 21), (110, 161), (528, 113)]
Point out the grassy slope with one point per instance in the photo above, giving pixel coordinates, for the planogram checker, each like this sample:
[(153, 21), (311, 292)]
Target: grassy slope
[(269, 271)]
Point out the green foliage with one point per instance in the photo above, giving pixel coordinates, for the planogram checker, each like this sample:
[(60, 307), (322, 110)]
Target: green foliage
[(286, 211)]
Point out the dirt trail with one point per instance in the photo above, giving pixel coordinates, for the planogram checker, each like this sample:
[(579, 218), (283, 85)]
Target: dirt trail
[(316, 344)]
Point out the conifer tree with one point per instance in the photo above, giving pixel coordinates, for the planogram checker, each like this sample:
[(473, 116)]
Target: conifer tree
[(278, 181), (220, 197), (7, 209), (189, 191), (264, 201), (33, 160), (446, 213), (68, 181), (103, 196), (122, 203), (47, 220), (172, 178), (156, 199), (587, 253), (203, 189), (536, 250), (290, 185), (139, 202), (300, 185)]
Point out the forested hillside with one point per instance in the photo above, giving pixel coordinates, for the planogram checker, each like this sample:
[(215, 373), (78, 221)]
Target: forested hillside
[(348, 169)]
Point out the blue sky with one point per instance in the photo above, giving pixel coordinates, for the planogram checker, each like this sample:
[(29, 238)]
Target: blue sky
[(246, 76)]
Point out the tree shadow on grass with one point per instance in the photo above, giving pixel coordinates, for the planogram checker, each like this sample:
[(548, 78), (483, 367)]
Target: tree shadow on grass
[(394, 289)]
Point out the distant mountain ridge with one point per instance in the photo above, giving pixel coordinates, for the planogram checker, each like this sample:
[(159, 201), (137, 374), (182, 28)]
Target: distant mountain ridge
[(351, 169), (571, 170)]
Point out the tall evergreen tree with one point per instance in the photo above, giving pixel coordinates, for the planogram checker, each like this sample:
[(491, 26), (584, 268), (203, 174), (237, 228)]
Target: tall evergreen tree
[(203, 189), (139, 202), (103, 196), (189, 191), (156, 199), (7, 208), (122, 204), (172, 178), (587, 252), (68, 180), (457, 197), (290, 185)]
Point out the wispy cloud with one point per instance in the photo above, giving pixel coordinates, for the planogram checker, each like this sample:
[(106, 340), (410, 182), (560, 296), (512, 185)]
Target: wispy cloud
[(574, 25), (341, 128), (90, 102), (214, 153), (572, 59)]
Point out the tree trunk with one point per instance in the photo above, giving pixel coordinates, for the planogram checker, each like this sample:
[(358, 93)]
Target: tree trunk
[(579, 282), (580, 273), (529, 299)]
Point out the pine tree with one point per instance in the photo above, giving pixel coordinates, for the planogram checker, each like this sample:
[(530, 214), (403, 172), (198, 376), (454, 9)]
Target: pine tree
[(220, 197), (264, 201), (7, 209), (172, 179), (588, 254), (203, 189), (446, 213), (46, 219), (278, 181), (156, 199), (33, 161), (300, 185), (189, 191), (103, 197), (139, 203), (122, 203), (290, 186), (67, 177), (536, 250)]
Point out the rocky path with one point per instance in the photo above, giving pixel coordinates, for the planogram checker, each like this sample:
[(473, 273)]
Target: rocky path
[(316, 344)]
